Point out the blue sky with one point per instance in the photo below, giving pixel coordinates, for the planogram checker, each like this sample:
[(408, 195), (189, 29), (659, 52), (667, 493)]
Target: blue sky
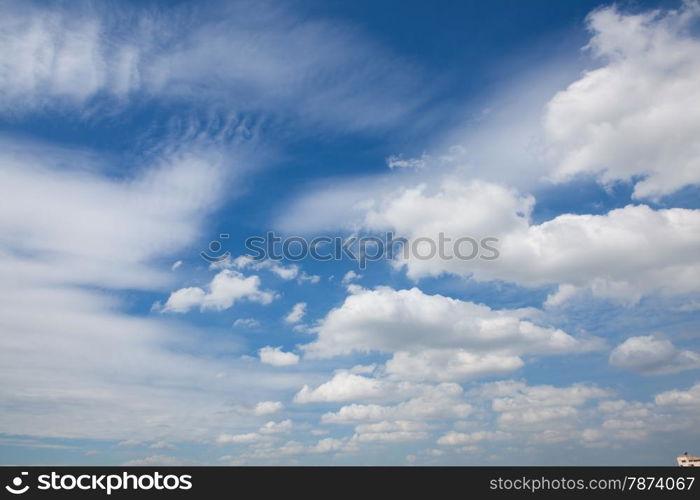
[(134, 134)]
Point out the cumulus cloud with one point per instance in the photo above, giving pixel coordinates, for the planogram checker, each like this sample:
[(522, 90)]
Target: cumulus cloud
[(275, 356), (423, 332), (623, 254), (348, 386), (329, 445), (634, 117), (226, 288), (350, 276), (649, 355), (670, 412), (296, 314), (264, 436), (679, 398), (281, 427), (442, 401), (267, 407), (449, 365), (521, 406)]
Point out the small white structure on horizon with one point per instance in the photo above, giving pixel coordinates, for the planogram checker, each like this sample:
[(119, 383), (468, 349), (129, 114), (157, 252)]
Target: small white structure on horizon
[(686, 460)]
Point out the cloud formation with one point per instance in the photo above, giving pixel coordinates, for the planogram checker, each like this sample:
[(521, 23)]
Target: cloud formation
[(633, 119), (649, 355)]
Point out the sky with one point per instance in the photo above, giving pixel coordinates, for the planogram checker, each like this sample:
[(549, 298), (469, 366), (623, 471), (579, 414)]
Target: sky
[(142, 144)]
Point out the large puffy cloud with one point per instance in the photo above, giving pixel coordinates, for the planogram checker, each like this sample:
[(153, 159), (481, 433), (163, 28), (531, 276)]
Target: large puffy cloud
[(455, 207), (426, 333), (623, 254), (653, 356), (636, 116)]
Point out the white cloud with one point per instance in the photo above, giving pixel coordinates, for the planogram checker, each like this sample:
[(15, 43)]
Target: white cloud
[(670, 412), (347, 386), (314, 69), (276, 357), (329, 445), (350, 276), (653, 356), (246, 323), (443, 401), (677, 398), (247, 438), (162, 445), (102, 373), (453, 438), (282, 427), (397, 161), (454, 207), (426, 331), (176, 265), (297, 313), (391, 431), (622, 254), (608, 122), (521, 406), (223, 291), (119, 225), (155, 460), (52, 54), (637, 114), (267, 407), (311, 278), (248, 262), (449, 365)]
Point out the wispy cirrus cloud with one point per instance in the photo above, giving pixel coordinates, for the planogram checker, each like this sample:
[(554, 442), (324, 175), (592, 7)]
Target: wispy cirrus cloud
[(248, 56)]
